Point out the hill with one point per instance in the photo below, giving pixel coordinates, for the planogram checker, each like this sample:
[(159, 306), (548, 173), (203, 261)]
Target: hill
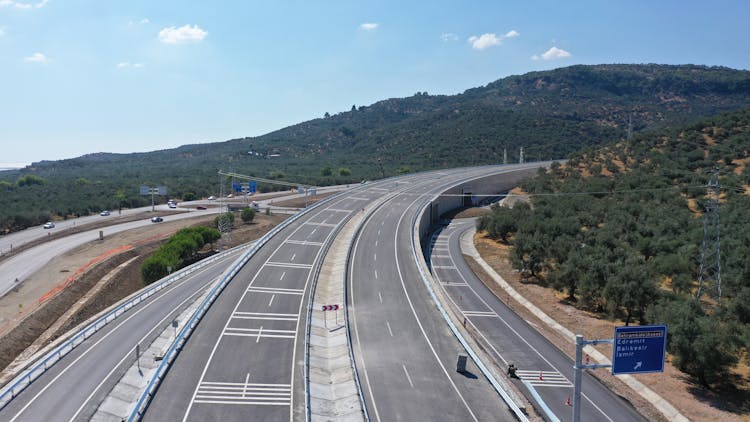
[(551, 114), (619, 230)]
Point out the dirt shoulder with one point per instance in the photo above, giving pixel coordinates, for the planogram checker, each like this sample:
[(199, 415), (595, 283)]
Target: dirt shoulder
[(673, 385)]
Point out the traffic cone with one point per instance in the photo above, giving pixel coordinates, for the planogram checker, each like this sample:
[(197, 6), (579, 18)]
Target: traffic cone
[(541, 378), (567, 402)]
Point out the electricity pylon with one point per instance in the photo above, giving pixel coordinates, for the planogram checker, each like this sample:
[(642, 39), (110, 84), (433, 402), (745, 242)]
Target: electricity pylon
[(709, 276)]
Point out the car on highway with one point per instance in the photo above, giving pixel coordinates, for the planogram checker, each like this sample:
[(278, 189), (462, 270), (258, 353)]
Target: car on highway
[(49, 225), (172, 204), (211, 198), (156, 219), (201, 207), (104, 213)]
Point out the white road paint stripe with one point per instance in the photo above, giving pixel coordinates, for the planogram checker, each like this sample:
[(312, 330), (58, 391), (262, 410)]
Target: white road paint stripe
[(357, 198), (271, 301), (444, 267), (265, 316), (282, 276), (374, 257), (276, 290), (303, 243), (380, 297), (407, 375), (287, 265), (440, 256), (389, 328), (337, 210), (244, 390), (310, 223), (453, 284), (477, 314), (376, 274)]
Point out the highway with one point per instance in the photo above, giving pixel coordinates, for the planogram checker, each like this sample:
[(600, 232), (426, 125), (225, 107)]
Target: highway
[(405, 353), (73, 388), (512, 340), (245, 360)]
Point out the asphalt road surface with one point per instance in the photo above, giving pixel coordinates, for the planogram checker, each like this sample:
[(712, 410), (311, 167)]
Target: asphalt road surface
[(73, 388), (405, 353), (511, 339)]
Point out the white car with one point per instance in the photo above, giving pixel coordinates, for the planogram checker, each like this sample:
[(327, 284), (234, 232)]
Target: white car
[(171, 205), (49, 225), (104, 213), (211, 198)]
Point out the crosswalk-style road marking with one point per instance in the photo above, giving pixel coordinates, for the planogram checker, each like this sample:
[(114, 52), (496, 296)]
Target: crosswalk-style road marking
[(480, 314), (454, 284), (274, 290), (259, 333), (440, 256), (444, 267), (337, 210), (303, 242), (244, 393), (357, 198), (312, 223), (287, 265), (265, 316), (544, 378)]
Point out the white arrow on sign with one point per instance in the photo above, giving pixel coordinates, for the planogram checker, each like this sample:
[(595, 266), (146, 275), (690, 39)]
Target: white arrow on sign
[(638, 365)]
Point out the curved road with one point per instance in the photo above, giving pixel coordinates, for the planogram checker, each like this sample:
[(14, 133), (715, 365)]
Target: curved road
[(511, 339)]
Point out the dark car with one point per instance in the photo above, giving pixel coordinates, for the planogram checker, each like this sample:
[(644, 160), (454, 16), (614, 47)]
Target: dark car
[(201, 207), (156, 219)]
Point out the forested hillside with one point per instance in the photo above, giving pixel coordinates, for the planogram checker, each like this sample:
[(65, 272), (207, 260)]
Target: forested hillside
[(619, 230), (551, 114)]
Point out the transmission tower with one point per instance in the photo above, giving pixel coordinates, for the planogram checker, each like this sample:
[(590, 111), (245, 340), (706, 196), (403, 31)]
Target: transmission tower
[(505, 155), (709, 276), (225, 225), (520, 156)]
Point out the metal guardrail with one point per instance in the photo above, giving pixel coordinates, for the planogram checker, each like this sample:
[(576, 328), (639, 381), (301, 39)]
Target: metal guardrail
[(176, 346), (419, 259), (23, 380)]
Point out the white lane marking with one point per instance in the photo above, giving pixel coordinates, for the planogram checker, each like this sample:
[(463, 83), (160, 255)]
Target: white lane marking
[(544, 378), (128, 354), (378, 232), (492, 346), (480, 314), (389, 327), (294, 348), (271, 301), (260, 332), (376, 243), (303, 242), (407, 375), (287, 265), (276, 290), (374, 257), (380, 297), (282, 276), (293, 256), (376, 274), (264, 316), (314, 230), (247, 393)]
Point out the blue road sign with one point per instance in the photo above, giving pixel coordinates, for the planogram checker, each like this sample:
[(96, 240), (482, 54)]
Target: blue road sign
[(252, 186), (237, 187), (638, 350)]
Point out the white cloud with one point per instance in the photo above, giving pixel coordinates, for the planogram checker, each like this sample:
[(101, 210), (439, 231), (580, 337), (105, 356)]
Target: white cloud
[(369, 26), (553, 53), (36, 58), (144, 21), (484, 41), (488, 40), (2, 31), (20, 5), (137, 65), (181, 35), (449, 36)]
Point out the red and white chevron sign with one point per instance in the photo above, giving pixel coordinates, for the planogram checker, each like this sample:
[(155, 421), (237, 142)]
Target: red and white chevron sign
[(330, 308)]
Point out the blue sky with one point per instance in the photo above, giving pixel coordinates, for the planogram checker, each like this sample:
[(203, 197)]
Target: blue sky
[(79, 77)]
